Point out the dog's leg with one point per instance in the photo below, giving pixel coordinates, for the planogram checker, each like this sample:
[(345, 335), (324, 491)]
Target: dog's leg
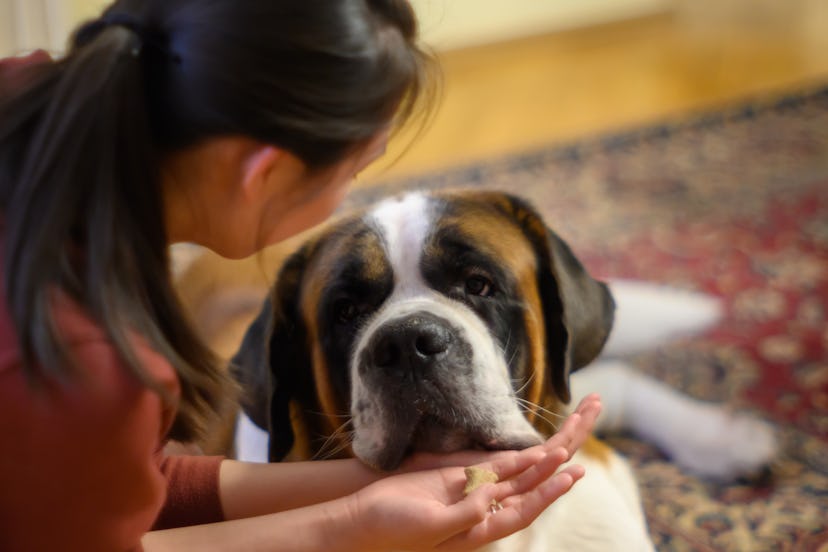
[(703, 438)]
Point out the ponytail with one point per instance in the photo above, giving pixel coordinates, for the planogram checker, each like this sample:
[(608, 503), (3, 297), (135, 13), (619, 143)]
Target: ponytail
[(82, 206)]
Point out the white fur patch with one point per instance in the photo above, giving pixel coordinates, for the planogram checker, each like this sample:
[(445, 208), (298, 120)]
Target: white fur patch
[(404, 224), (251, 441)]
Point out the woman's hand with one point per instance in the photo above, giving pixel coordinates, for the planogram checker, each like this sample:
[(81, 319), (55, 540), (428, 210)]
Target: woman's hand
[(426, 510)]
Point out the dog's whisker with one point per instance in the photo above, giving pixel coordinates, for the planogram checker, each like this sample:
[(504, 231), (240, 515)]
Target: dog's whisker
[(542, 409), (525, 385), (552, 423), (505, 348), (321, 455), (506, 345), (512, 358), (346, 441), (332, 439), (541, 412)]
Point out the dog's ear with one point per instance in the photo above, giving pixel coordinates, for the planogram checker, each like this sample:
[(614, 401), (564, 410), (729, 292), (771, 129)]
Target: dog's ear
[(273, 351), (578, 310)]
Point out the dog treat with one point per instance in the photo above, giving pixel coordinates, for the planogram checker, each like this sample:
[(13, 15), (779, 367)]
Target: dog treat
[(475, 477)]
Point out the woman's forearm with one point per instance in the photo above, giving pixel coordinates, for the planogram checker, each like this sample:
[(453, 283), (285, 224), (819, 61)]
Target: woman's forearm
[(321, 527), (249, 489)]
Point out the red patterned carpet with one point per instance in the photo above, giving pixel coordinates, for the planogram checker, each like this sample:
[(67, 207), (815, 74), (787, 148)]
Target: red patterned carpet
[(733, 203)]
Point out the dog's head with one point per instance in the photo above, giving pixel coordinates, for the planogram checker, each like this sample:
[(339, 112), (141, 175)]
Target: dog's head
[(433, 322)]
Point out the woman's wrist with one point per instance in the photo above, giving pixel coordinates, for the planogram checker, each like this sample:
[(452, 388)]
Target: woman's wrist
[(343, 527), (249, 490)]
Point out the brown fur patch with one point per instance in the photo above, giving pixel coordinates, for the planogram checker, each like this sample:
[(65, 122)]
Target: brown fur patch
[(497, 234), (597, 449), (324, 391), (537, 355)]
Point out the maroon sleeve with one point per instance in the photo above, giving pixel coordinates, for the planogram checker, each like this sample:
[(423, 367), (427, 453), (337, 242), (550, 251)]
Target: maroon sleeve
[(81, 465), (192, 491), (79, 469), (14, 71)]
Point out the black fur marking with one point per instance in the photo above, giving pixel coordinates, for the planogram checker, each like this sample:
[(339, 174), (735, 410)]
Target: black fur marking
[(354, 283)]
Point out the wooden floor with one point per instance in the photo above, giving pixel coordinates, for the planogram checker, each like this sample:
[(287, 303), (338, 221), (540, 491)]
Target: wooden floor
[(508, 97)]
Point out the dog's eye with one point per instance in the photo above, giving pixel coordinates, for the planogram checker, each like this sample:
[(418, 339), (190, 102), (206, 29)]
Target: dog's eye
[(478, 285), (345, 311)]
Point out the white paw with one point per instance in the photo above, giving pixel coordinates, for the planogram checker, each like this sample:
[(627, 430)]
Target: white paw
[(721, 444)]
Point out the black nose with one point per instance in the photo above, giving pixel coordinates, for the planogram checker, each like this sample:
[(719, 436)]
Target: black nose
[(411, 344)]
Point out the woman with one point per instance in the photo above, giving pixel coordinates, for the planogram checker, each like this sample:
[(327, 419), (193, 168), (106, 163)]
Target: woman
[(232, 124)]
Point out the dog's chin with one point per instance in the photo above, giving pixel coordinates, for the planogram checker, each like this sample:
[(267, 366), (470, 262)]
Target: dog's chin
[(430, 434), (433, 435)]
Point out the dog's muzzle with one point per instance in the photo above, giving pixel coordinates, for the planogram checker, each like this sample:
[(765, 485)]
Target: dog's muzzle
[(420, 385)]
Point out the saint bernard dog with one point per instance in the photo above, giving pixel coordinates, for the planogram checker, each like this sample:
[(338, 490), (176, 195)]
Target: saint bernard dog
[(455, 320)]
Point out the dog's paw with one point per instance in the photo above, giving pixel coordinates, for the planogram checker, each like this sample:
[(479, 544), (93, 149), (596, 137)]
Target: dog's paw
[(723, 445)]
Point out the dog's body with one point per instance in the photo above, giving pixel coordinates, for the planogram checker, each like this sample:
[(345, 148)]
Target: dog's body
[(449, 321)]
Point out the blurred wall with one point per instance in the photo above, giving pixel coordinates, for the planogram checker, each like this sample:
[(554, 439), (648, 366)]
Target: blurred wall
[(29, 24), (445, 24), (83, 9), (450, 24)]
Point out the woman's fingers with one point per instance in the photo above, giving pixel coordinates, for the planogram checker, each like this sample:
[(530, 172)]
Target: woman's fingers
[(577, 427), (589, 409), (516, 513), (461, 517), (590, 406), (533, 475), (521, 471), (509, 464), (514, 503)]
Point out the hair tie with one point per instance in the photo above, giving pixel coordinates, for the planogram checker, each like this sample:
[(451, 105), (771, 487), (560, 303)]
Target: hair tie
[(145, 37), (129, 22)]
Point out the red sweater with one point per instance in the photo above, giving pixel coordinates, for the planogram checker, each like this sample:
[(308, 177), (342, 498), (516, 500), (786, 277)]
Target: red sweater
[(81, 466)]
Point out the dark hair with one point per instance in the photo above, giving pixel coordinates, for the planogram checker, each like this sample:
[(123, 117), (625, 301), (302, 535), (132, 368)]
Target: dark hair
[(81, 146)]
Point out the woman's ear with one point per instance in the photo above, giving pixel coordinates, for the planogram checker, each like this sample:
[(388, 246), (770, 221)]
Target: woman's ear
[(257, 166)]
